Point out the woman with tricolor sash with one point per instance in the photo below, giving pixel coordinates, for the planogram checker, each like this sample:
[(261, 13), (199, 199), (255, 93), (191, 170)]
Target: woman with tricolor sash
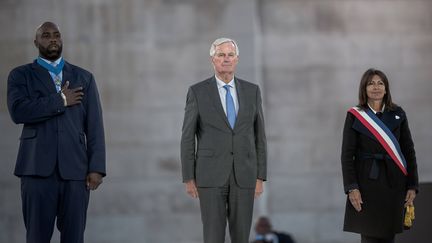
[(378, 163)]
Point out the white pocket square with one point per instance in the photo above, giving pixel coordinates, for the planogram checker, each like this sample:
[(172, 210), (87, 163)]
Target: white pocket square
[(397, 117)]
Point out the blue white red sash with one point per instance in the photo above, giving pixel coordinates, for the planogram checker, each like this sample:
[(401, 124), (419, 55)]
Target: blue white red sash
[(382, 134)]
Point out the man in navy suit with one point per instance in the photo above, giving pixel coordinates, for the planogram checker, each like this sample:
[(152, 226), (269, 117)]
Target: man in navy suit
[(61, 155)]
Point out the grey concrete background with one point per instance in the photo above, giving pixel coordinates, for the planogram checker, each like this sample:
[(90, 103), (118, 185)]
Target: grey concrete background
[(308, 57)]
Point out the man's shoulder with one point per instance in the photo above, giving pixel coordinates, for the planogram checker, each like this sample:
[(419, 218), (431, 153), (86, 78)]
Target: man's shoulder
[(22, 68), (243, 81), (77, 69), (202, 83), (73, 68), (247, 86), (246, 83)]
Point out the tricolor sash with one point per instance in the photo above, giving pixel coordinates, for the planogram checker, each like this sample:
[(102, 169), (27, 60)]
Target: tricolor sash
[(382, 134)]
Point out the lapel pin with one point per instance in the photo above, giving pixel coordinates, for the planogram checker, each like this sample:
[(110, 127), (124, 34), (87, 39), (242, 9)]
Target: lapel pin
[(397, 117)]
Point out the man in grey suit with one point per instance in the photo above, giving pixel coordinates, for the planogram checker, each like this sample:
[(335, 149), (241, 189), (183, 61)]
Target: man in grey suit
[(223, 147)]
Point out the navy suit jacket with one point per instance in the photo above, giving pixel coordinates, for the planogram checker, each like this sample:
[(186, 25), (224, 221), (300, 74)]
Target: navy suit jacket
[(72, 137)]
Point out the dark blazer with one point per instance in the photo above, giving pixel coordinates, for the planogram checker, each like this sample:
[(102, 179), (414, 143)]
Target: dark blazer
[(220, 148), (72, 136), (383, 196)]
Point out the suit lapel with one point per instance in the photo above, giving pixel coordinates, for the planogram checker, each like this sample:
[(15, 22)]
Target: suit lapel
[(214, 94), (44, 77), (67, 75), (241, 101)]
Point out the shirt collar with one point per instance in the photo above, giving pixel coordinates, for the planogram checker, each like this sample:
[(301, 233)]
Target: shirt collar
[(382, 109), (221, 83), (50, 62)]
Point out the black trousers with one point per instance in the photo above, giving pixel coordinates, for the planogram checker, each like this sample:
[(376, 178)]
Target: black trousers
[(229, 202), (45, 199), (368, 239)]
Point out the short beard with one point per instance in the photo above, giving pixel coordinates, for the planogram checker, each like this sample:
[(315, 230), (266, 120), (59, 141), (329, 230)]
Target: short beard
[(50, 55)]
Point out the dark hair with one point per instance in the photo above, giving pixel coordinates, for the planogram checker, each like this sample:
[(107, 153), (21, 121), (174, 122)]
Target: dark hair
[(366, 78)]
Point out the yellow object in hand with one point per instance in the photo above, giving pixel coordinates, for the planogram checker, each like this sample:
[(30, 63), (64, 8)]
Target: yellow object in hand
[(409, 216)]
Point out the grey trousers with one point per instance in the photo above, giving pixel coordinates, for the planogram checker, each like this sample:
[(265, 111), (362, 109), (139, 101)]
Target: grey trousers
[(229, 202)]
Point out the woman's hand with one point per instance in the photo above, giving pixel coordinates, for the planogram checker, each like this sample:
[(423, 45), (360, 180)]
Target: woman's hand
[(409, 198), (355, 199)]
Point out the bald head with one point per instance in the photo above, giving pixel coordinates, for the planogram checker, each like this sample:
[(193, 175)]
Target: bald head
[(48, 41), (45, 25)]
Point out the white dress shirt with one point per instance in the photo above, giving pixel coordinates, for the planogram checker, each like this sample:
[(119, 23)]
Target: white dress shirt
[(374, 111), (222, 93)]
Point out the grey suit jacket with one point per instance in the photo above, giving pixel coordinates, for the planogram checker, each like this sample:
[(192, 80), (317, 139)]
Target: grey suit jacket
[(210, 148)]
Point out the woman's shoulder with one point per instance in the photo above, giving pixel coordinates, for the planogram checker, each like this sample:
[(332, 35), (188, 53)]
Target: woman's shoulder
[(350, 116), (350, 110), (398, 111)]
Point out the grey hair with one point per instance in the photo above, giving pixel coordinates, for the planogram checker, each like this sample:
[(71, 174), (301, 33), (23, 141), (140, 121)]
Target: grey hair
[(220, 41)]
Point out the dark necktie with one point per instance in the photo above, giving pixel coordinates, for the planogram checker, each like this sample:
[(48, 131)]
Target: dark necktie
[(379, 114)]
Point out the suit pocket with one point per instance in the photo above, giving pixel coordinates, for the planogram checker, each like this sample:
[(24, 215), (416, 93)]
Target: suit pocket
[(205, 153), (28, 133)]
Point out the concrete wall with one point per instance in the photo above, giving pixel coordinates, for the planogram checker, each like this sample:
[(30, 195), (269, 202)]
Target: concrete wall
[(308, 57)]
